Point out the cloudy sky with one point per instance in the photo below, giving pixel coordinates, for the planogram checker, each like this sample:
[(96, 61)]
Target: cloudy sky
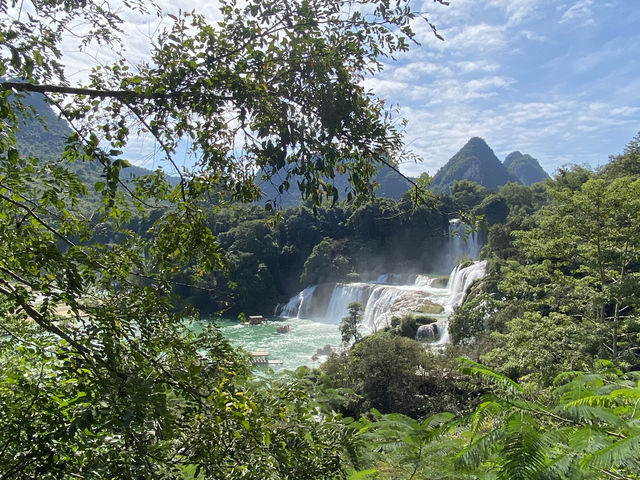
[(557, 79)]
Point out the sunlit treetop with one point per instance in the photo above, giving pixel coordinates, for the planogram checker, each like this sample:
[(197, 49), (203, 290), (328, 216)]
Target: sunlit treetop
[(271, 87)]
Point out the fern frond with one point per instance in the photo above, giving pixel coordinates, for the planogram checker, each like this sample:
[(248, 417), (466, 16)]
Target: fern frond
[(436, 420), (583, 384), (483, 414), (556, 437), (479, 451), (525, 405), (562, 467), (626, 393), (623, 453), (523, 449), (362, 474), (593, 401), (477, 370), (588, 439), (588, 414)]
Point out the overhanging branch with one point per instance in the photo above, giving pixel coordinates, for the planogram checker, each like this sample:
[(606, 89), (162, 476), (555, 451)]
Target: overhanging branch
[(123, 95)]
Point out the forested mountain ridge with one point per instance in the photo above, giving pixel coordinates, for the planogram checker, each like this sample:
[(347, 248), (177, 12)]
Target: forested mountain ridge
[(388, 184), (43, 134), (525, 168), (476, 162)]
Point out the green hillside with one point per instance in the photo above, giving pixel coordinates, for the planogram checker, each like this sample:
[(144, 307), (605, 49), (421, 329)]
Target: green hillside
[(43, 134), (390, 185), (525, 168), (475, 162)]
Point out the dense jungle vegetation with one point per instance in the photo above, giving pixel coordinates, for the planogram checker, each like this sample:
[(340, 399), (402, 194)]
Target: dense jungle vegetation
[(100, 376)]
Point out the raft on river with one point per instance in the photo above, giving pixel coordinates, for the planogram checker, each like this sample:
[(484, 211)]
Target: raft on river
[(262, 358)]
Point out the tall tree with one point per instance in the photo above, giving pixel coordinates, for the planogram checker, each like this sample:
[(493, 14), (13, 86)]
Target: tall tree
[(592, 237), (349, 324), (101, 376)]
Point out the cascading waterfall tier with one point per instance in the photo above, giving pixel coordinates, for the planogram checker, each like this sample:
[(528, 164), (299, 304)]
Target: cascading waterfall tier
[(462, 278), (382, 300), (297, 306), (461, 243)]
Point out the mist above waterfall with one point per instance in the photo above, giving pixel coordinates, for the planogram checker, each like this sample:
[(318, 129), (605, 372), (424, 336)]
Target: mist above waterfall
[(463, 243)]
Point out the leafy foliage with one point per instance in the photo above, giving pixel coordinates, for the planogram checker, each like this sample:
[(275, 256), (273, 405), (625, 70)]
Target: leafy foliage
[(349, 324), (586, 430), (395, 374), (101, 375), (562, 281), (403, 448)]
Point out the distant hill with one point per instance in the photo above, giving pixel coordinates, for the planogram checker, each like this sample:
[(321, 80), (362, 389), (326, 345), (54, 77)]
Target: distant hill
[(42, 138), (390, 185), (525, 168), (46, 136), (476, 162)]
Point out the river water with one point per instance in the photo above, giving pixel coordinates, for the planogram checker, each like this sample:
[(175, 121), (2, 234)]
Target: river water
[(295, 348), (314, 317)]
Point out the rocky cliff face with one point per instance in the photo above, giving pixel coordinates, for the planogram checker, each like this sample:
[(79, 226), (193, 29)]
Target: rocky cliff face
[(476, 162), (525, 168)]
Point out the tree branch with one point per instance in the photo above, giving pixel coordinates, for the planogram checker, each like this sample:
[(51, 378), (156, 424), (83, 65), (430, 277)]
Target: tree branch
[(38, 219), (123, 95)]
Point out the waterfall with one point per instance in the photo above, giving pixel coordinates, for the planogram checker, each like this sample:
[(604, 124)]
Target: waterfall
[(423, 281), (427, 332), (462, 278), (298, 306), (342, 296), (382, 300), (382, 278), (377, 312), (461, 244), (397, 278)]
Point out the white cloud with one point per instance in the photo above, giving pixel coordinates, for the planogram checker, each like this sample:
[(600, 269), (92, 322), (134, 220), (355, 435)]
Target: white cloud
[(455, 90), (481, 36), (580, 12), (475, 66), (533, 36), (553, 132), (517, 11), (416, 70), (382, 87)]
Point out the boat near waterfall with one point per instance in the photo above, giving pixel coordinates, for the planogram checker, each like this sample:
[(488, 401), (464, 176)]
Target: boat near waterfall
[(283, 328), (262, 358), (255, 320)]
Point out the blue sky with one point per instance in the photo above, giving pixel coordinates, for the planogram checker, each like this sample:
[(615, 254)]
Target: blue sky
[(559, 80)]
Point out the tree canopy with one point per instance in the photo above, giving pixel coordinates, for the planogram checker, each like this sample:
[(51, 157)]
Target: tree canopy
[(101, 375)]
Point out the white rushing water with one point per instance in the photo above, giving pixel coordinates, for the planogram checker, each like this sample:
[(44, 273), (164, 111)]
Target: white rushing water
[(315, 313), (461, 280), (299, 306), (462, 243), (382, 300)]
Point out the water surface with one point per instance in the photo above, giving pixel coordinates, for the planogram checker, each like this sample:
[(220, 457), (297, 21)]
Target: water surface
[(295, 348)]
